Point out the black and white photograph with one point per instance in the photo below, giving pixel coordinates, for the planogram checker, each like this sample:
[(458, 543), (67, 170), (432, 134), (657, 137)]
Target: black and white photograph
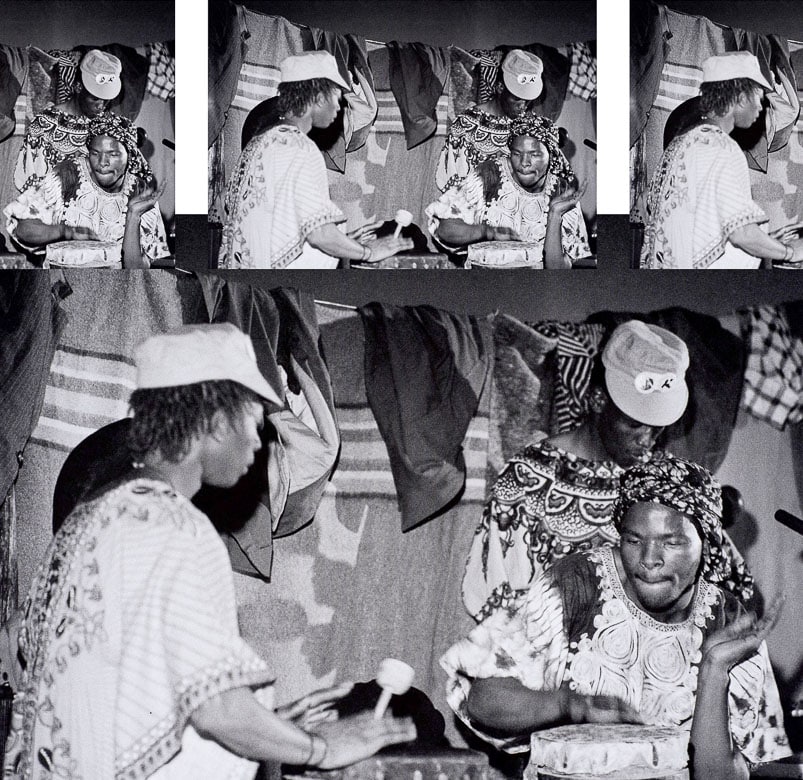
[(87, 134), (262, 521), (716, 134)]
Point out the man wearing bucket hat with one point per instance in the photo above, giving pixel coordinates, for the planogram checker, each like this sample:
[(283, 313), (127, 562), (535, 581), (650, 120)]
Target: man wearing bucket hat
[(701, 212), (557, 496), (132, 660), (279, 214), (62, 131), (483, 130)]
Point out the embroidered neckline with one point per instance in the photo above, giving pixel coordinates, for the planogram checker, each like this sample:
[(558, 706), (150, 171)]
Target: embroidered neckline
[(705, 596)]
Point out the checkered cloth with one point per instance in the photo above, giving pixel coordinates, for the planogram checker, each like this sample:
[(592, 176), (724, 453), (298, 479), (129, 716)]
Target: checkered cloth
[(773, 379), (578, 344), (161, 71), (583, 71)]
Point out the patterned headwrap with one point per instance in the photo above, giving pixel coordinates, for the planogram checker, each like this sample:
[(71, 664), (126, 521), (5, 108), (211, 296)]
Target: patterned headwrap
[(693, 491), (123, 130), (544, 130)]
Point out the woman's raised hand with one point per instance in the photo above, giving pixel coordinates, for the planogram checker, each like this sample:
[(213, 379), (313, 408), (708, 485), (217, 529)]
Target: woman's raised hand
[(144, 197), (568, 197), (315, 707), (730, 645)]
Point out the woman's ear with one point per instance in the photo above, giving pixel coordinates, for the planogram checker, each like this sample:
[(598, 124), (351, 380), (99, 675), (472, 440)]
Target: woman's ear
[(597, 400), (219, 425)]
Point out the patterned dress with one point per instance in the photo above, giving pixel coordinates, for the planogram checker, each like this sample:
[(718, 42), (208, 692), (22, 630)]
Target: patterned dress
[(129, 626), (475, 135), (699, 194), (575, 626), (278, 195), (52, 136), (91, 207), (513, 207), (545, 504)]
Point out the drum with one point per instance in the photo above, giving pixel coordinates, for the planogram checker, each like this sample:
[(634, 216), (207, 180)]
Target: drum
[(608, 752), (411, 763), (84, 254), (505, 254)]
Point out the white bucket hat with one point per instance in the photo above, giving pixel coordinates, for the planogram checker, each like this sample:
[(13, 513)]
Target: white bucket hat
[(100, 74), (311, 65), (734, 65), (200, 353)]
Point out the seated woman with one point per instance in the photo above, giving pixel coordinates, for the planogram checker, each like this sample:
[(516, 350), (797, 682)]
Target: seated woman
[(107, 198), (634, 633), (530, 196)]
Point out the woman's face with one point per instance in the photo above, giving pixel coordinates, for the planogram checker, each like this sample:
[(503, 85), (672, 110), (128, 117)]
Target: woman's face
[(108, 160), (529, 159), (661, 553)]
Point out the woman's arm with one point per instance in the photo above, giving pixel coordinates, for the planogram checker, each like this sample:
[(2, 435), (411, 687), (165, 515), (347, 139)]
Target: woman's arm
[(34, 232), (714, 755), (503, 704), (553, 244), (142, 199), (236, 720), (459, 233)]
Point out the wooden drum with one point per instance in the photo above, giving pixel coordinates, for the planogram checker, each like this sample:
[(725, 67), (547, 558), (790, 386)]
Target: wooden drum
[(609, 752)]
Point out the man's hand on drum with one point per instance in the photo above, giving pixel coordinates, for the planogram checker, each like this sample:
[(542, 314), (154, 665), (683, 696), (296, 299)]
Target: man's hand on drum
[(315, 707), (358, 737)]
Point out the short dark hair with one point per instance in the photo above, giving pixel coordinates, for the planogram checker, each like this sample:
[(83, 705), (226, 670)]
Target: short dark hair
[(166, 419), (296, 96), (716, 97)]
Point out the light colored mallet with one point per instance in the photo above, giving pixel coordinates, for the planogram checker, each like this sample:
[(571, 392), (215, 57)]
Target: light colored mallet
[(403, 219), (395, 678)]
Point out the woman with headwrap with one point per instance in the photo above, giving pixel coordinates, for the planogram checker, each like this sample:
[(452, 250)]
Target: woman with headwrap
[(107, 196), (639, 633), (531, 195)]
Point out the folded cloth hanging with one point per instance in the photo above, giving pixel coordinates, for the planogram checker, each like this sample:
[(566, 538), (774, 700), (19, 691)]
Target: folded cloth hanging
[(283, 488), (577, 346), (424, 422), (9, 92), (418, 75), (649, 36), (66, 73), (350, 129), (227, 48), (773, 378), (773, 133), (522, 391), (31, 323), (161, 69), (583, 69)]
